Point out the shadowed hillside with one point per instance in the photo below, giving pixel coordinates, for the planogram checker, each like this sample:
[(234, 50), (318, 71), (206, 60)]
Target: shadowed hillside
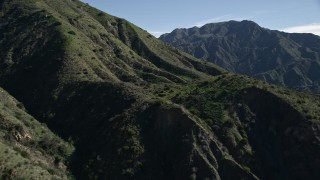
[(28, 149), (135, 108)]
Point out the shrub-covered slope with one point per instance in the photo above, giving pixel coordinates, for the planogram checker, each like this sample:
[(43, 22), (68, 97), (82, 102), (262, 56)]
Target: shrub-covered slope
[(289, 60), (135, 108), (28, 149)]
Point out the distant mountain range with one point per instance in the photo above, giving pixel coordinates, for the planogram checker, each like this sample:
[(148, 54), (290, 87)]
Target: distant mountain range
[(290, 60), (87, 95)]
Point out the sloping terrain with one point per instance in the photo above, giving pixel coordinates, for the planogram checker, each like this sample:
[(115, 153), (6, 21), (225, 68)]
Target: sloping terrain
[(28, 149), (135, 108), (289, 60)]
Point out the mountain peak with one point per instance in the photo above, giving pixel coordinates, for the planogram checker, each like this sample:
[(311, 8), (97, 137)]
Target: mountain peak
[(290, 60), (132, 107)]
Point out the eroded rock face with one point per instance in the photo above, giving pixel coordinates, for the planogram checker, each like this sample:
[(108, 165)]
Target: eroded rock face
[(135, 108), (21, 136), (183, 148)]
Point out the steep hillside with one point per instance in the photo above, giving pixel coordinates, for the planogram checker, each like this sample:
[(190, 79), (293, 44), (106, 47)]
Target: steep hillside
[(135, 108), (289, 60), (28, 149)]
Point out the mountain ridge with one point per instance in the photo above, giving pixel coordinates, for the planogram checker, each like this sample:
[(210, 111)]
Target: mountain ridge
[(136, 108), (290, 60)]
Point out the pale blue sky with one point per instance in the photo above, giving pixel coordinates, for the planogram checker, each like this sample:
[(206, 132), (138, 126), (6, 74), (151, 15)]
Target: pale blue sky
[(160, 16)]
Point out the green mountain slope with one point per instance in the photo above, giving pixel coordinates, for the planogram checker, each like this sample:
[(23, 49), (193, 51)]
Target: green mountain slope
[(289, 60), (136, 108), (28, 149)]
